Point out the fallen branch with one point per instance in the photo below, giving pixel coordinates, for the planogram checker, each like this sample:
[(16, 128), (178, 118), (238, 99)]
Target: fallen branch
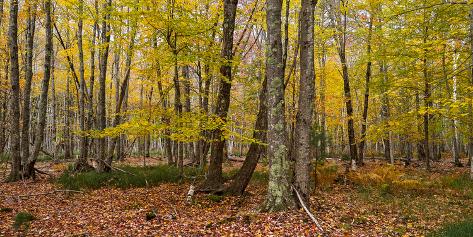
[(42, 194), (113, 167), (190, 194), (307, 210), (43, 172)]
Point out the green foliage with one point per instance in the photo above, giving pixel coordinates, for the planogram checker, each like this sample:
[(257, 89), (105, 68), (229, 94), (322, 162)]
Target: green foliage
[(215, 198), (258, 176), (4, 158), (6, 209), (23, 219), (457, 182), (150, 215), (142, 177), (460, 229)]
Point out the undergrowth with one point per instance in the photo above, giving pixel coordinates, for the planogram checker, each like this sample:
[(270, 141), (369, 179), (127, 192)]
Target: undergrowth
[(459, 229), (134, 177)]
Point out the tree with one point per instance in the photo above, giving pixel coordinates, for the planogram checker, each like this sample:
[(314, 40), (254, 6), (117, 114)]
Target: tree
[(279, 195), (306, 101), (103, 166), (81, 163), (29, 166), (25, 129), (214, 177), (364, 121), (15, 92)]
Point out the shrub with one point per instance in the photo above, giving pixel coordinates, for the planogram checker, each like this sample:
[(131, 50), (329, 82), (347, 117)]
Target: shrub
[(389, 179), (461, 229), (457, 182), (142, 177), (215, 198), (326, 175), (23, 219)]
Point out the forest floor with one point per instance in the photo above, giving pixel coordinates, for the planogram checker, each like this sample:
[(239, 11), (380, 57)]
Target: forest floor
[(376, 200)]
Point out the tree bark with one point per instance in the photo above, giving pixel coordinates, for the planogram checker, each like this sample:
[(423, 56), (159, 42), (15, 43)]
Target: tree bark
[(25, 129), (367, 95), (214, 179), (15, 92), (346, 86), (81, 163), (103, 166), (306, 102), (30, 171), (470, 137), (279, 195)]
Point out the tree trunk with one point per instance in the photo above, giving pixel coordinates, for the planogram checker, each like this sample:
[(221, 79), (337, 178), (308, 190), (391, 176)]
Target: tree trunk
[(81, 163), (101, 108), (123, 91), (385, 114), (364, 122), (470, 137), (15, 92), (30, 171), (302, 139), (90, 105), (214, 179), (455, 140), (279, 195), (346, 86), (25, 129), (427, 100), (187, 108)]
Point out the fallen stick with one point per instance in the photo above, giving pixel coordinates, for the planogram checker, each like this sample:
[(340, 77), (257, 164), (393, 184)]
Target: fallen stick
[(190, 194), (42, 194), (307, 210)]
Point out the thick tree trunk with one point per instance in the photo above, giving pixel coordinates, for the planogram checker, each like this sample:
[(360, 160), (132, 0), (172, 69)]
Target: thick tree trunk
[(364, 122), (214, 179), (302, 148), (242, 178), (101, 108), (29, 169), (15, 92), (279, 195)]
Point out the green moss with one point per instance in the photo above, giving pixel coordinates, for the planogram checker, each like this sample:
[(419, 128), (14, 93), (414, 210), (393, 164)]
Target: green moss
[(215, 198), (23, 219)]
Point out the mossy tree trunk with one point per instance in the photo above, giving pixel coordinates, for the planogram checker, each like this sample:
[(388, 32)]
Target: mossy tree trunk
[(279, 196), (15, 92)]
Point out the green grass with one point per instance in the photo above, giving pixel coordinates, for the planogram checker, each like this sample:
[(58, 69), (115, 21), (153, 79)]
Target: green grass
[(143, 176), (23, 219), (461, 182), (460, 229)]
